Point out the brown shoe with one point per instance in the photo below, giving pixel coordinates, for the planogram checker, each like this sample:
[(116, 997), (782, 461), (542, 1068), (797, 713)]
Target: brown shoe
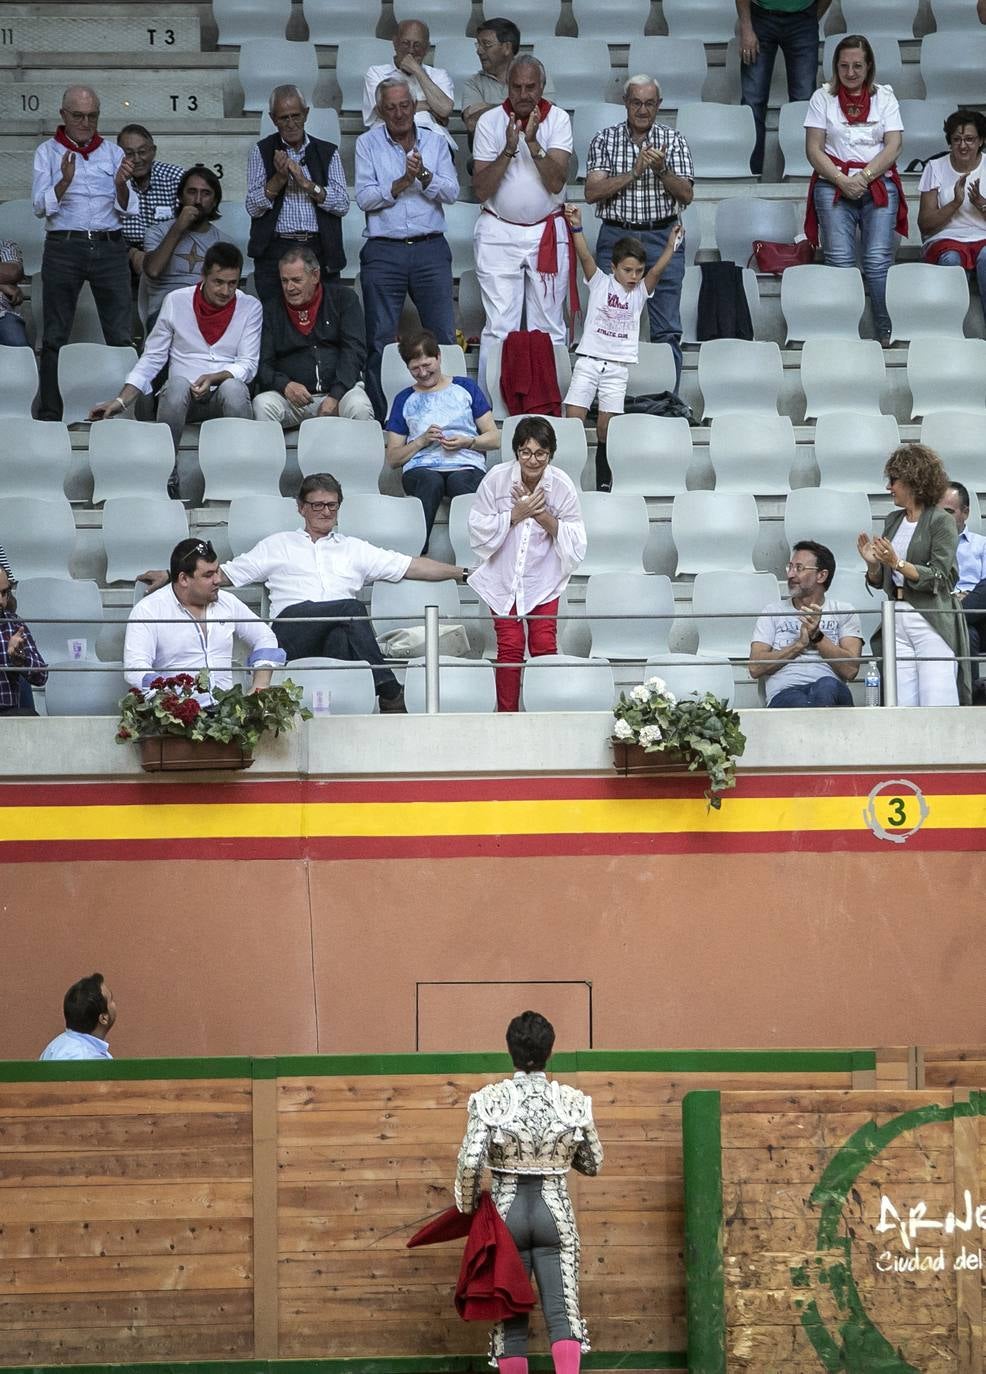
[(392, 705)]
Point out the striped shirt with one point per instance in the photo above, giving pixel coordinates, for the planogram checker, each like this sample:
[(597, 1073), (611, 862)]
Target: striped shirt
[(160, 194), (298, 210), (9, 252), (613, 152)]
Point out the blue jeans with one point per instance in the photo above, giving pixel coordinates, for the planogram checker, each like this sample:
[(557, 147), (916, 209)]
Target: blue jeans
[(841, 222), (796, 35), (952, 259), (13, 331), (664, 306), (391, 269), (824, 691)]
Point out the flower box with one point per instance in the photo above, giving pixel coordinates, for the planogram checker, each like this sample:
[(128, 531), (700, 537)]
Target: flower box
[(634, 758), (173, 754)]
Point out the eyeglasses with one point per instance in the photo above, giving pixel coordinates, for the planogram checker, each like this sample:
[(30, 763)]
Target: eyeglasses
[(802, 567), (83, 118), (289, 119), (320, 506), (540, 454), (485, 44), (203, 550), (642, 104)]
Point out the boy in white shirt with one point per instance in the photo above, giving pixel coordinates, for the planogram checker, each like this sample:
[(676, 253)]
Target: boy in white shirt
[(612, 329)]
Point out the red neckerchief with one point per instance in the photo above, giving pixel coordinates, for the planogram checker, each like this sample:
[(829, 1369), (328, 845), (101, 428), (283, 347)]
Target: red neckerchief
[(84, 148), (856, 108), (212, 320), (303, 317), (543, 107)]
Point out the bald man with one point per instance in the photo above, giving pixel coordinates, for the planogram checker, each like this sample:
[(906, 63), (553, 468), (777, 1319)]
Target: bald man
[(431, 87), (82, 189)]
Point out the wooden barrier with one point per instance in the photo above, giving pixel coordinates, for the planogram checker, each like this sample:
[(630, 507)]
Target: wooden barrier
[(255, 1210)]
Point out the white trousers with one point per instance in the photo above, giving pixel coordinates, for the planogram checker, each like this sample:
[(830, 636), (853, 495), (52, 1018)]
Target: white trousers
[(515, 294), (271, 405), (922, 683)]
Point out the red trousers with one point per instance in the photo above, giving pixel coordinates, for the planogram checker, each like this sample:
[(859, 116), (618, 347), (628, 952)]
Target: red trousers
[(542, 638)]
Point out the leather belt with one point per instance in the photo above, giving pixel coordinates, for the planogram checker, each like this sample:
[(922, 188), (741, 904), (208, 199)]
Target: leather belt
[(297, 238), (418, 238), (100, 235), (647, 228)]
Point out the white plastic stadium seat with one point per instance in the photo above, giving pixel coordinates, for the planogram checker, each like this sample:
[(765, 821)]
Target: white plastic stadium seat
[(714, 531), (752, 453), (37, 533), (842, 374), (445, 18), (356, 55), (349, 684), (562, 682), (946, 374), (791, 137), (394, 376), (240, 20), (645, 597), (390, 522), (849, 585), (18, 382), (886, 50), (87, 374), (534, 24), (37, 454), (85, 689), (654, 370), (692, 675), (617, 529), (625, 17), (464, 685), (130, 458), (924, 134), (579, 67), (241, 458), (269, 62), (925, 300), (833, 518), (680, 64), (19, 223), (321, 123), (714, 21), (351, 450), (878, 17), (460, 221), (690, 289), (398, 605), (252, 518), (741, 220), (822, 302), (587, 120), (570, 455), (458, 57), (955, 14), (952, 66), (957, 438), (78, 606), (725, 607), (649, 455), (719, 137), (336, 21), (740, 375), (851, 449), (139, 532)]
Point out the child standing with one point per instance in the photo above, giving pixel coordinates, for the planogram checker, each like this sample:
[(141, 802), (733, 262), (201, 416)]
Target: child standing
[(612, 328)]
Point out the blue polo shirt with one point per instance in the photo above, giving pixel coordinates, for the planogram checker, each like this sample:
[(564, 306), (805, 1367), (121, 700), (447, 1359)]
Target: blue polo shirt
[(76, 1045)]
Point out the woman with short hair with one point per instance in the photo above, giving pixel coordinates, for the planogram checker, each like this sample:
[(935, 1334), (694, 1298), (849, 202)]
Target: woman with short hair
[(952, 215)]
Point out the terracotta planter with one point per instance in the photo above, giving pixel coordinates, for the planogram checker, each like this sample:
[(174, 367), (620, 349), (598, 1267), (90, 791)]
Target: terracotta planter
[(633, 758), (173, 753)]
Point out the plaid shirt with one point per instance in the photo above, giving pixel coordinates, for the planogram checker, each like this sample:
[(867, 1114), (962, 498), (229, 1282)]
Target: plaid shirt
[(9, 252), (29, 658), (613, 153), (297, 209), (161, 189)]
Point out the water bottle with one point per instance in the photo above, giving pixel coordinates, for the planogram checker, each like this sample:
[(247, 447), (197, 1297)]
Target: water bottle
[(872, 682)]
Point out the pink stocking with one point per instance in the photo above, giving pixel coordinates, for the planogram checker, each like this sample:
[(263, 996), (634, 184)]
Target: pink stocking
[(512, 1364), (566, 1356)]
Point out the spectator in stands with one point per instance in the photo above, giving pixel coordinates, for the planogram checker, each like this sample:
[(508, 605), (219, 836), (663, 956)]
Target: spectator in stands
[(13, 331), (523, 261), (20, 658), (952, 215), (639, 175), (190, 624), (404, 175), (296, 193), (612, 329), (765, 26), (970, 556), (156, 184), (439, 430), (526, 528), (852, 138), (312, 349), (175, 247), (209, 337), (497, 44), (914, 562), (430, 87), (90, 1014), (807, 652), (82, 189)]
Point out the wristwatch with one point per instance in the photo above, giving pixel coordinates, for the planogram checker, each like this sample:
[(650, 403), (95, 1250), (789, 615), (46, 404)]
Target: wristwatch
[(537, 152), (316, 191), (816, 637)]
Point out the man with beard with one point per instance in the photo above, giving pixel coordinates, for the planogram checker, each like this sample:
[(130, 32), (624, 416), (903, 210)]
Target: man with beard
[(175, 249)]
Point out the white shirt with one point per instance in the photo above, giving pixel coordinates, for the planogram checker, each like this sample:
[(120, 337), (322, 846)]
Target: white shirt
[(901, 542), (423, 118), (188, 645), (967, 224), (298, 568), (90, 201), (177, 340), (779, 625), (75, 1045), (522, 562), (612, 319), (854, 142), (521, 196)]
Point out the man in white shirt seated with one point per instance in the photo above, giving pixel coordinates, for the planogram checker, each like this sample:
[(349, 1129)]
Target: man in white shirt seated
[(89, 1016), (970, 556), (432, 88), (189, 625), (808, 651), (209, 337)]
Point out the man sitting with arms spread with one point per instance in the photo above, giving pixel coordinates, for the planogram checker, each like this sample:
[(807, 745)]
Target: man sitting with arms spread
[(188, 625), (810, 651), (89, 1016), (175, 248), (312, 349)]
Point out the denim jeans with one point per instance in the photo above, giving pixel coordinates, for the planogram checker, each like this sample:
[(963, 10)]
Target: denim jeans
[(824, 691), (13, 331), (66, 265), (840, 223), (952, 259), (664, 307), (796, 35)]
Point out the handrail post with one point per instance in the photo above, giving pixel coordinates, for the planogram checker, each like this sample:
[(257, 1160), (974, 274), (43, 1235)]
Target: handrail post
[(889, 652), (432, 704)]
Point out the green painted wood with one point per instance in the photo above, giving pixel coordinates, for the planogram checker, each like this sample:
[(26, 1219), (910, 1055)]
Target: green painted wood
[(702, 1141)]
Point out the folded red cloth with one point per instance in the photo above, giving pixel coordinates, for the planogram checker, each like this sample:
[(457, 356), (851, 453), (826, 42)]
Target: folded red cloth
[(493, 1283)]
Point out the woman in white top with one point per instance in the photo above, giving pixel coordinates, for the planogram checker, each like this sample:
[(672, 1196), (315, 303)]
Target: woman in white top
[(952, 215), (526, 528), (852, 138)]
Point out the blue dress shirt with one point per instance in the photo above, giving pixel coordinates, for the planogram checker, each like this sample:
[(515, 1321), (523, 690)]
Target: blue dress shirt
[(971, 559), (380, 162), (76, 1045)]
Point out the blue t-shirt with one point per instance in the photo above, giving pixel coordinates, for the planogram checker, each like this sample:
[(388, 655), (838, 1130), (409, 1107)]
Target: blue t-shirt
[(454, 408)]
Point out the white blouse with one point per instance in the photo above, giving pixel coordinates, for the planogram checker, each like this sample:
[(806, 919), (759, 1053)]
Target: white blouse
[(854, 142)]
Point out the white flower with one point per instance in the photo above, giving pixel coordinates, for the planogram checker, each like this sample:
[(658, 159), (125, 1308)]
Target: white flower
[(623, 730), (656, 684), (670, 697), (640, 694), (651, 734)]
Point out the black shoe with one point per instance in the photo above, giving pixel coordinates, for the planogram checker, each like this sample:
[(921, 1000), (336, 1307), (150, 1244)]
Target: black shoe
[(393, 705)]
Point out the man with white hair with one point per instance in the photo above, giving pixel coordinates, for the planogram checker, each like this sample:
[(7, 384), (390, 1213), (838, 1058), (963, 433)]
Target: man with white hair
[(296, 194), (432, 88), (639, 175), (522, 150), (82, 189)]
